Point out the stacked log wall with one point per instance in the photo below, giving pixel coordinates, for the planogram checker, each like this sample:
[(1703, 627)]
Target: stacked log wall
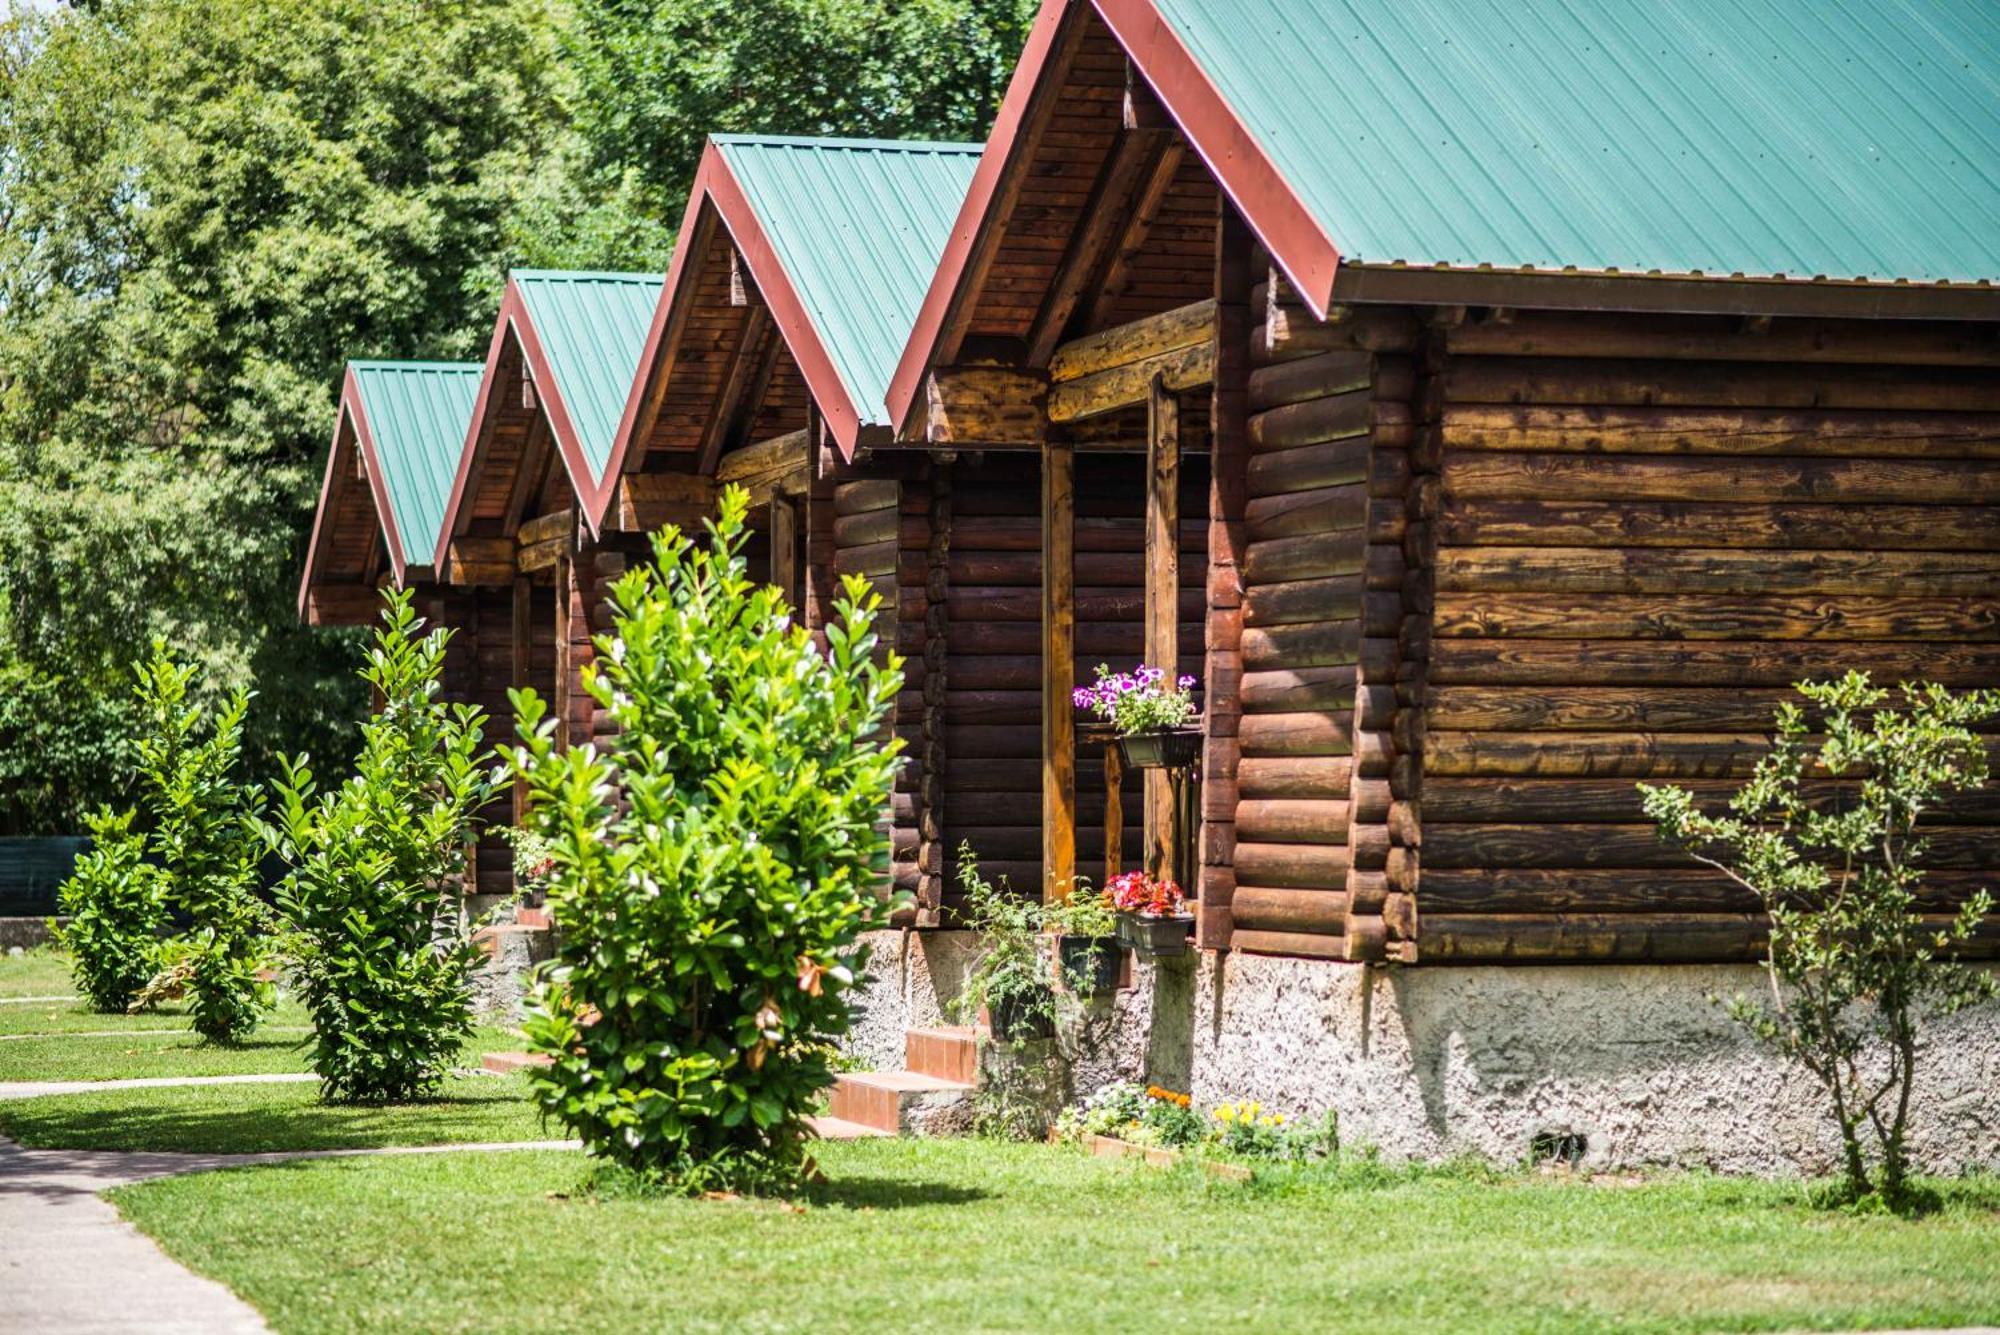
[(1321, 574), (1647, 530)]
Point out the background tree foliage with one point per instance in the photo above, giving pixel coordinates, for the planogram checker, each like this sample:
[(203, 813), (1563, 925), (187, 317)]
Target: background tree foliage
[(207, 206)]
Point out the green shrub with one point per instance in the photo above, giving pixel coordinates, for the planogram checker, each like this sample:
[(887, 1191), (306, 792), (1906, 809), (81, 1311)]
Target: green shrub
[(377, 872), (205, 839), (1856, 966), (714, 865), (117, 909)]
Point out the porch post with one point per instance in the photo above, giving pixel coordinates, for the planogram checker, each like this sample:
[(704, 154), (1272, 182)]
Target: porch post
[(1163, 569), (1058, 669)]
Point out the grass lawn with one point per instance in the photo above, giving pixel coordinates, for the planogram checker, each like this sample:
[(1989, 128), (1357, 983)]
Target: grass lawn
[(976, 1236), (40, 972), (232, 1119)]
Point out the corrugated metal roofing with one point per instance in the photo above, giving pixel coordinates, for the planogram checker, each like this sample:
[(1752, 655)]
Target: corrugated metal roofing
[(859, 226), (417, 415), (592, 328), (1846, 139)]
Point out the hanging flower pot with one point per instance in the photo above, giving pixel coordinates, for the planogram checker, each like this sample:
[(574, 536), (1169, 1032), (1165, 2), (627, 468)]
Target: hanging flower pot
[(1162, 748), (1154, 938), (1091, 962)]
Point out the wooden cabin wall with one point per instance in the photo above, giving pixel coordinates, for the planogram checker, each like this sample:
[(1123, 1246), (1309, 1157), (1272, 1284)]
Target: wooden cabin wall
[(1647, 530), (1300, 854), (479, 668), (990, 784)]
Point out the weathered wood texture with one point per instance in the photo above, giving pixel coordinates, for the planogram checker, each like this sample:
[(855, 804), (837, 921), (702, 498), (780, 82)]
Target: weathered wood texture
[(1644, 533), (990, 786)]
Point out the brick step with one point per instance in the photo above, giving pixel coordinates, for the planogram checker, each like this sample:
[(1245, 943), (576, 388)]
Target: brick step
[(896, 1101), (533, 918), (833, 1128), (948, 1052), (506, 1063)]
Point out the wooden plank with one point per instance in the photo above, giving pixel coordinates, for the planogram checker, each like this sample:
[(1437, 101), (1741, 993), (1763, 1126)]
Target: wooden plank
[(1319, 376), (985, 405), (1715, 570), (1489, 890), (1311, 467), (647, 501), (1550, 476), (1679, 337), (1552, 380), (1805, 526), (1310, 945), (1163, 612), (785, 548), (774, 454), (1582, 937), (1606, 708), (1745, 431), (1624, 755), (1058, 648), (1714, 663), (1716, 617), (472, 560), (1292, 821), (1476, 800), (756, 343), (1124, 264), (1317, 420), (1136, 341), (1292, 866), (1258, 908), (1125, 386), (1315, 733), (1306, 778)]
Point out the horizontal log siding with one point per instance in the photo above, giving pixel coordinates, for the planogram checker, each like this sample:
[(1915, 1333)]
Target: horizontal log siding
[(991, 784), (1299, 800), (1636, 554), (877, 522)]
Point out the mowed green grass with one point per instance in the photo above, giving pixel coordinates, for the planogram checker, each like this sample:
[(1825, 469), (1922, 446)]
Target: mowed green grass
[(40, 972), (67, 1040), (977, 1236), (251, 1118)]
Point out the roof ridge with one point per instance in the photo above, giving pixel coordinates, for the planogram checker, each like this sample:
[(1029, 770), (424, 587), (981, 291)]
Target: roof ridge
[(412, 364), (843, 142), (587, 275)]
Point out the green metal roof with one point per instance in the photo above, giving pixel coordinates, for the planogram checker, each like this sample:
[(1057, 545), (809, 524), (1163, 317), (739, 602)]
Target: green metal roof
[(1845, 139), (417, 416), (592, 328), (859, 226)]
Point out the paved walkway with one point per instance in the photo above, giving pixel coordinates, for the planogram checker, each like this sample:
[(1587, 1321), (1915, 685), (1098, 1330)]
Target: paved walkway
[(72, 1265), (34, 1089)]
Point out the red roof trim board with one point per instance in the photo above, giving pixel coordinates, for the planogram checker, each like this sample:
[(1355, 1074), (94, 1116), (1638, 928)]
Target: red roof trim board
[(1001, 146), (1288, 230), (354, 413), (715, 186), (514, 320)]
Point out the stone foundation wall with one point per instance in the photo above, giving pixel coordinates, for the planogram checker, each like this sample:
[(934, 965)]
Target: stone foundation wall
[(1427, 1063)]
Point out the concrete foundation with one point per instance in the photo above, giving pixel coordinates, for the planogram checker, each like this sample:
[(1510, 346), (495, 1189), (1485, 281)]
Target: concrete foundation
[(1640, 1061)]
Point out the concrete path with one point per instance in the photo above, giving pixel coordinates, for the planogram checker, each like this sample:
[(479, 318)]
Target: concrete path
[(71, 1266), (34, 1089)]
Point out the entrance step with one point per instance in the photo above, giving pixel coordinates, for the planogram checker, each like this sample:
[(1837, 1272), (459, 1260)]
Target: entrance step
[(833, 1128), (948, 1052), (897, 1101), (506, 1063)]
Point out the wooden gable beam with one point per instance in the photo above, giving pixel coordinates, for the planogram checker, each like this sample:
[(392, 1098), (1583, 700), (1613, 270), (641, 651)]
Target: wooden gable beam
[(531, 472), (661, 372), (755, 345), (1100, 228), (1115, 368), (996, 406), (1166, 164)]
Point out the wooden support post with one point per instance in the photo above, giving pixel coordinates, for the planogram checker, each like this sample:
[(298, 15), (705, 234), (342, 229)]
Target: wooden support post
[(521, 646), (1163, 597), (1114, 812), (785, 548), (559, 696), (1058, 669)]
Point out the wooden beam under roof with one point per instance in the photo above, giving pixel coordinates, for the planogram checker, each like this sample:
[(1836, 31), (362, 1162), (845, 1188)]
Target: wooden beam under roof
[(1118, 268), (1100, 228), (661, 372), (749, 366)]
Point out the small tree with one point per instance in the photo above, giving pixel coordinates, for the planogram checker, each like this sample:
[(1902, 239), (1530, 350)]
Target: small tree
[(713, 868), (205, 839), (1855, 963), (378, 867), (117, 910)]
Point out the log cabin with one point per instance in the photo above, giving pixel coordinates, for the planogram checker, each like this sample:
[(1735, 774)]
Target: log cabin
[(398, 435), (800, 268), (1562, 403)]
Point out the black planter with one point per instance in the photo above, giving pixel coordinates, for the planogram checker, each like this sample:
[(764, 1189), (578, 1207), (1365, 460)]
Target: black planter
[(1154, 938), (1095, 959), (1165, 748), (1016, 1018)]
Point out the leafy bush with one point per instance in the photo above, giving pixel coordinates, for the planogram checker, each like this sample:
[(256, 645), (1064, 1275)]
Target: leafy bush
[(117, 910), (1011, 975), (714, 866), (378, 868), (1086, 912), (1856, 965), (206, 841)]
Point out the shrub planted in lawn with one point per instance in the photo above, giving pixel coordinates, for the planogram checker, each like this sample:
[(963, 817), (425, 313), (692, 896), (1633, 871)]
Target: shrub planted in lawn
[(713, 867), (378, 865), (117, 908), (205, 839), (1856, 964)]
